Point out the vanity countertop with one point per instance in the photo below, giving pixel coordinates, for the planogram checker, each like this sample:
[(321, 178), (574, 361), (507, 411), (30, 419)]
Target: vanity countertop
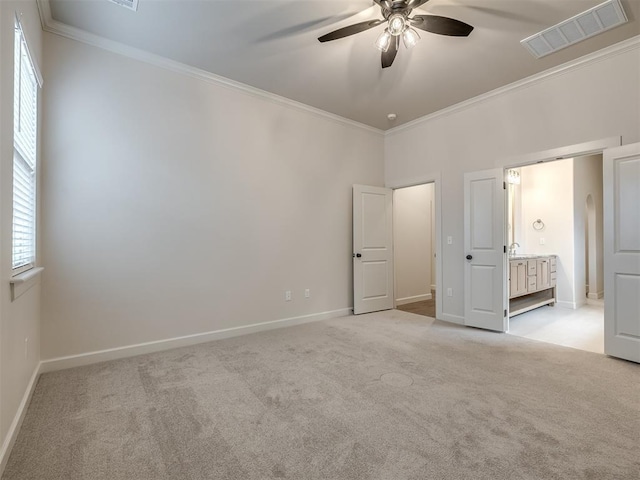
[(526, 256)]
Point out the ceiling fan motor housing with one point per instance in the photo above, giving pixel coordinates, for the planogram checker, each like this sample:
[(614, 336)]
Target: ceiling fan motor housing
[(397, 23)]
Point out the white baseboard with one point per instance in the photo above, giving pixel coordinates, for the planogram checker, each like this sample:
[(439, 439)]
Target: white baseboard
[(433, 288), (12, 434), (581, 302), (565, 304), (447, 317), (416, 298), (89, 358), (595, 296)]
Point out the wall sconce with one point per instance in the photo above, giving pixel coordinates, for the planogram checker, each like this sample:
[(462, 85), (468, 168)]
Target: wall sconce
[(513, 177)]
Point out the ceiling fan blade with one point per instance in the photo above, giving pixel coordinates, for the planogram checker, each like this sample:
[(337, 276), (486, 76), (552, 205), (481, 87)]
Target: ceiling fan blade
[(386, 4), (441, 25), (390, 55), (350, 30), (415, 3)]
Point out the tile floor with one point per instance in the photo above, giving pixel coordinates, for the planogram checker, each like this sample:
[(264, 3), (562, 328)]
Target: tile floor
[(582, 328)]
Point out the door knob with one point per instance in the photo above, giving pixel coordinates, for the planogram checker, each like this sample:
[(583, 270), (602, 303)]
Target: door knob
[(357, 255), (469, 257)]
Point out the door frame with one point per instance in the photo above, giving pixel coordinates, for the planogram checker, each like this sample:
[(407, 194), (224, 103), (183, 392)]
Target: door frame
[(578, 150), (437, 198)]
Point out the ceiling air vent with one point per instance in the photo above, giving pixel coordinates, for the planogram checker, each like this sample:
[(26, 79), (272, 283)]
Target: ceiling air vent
[(130, 4), (596, 20)]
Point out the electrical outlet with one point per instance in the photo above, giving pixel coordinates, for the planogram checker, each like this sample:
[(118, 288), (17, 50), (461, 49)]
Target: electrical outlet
[(449, 292), (449, 240), (287, 296), (541, 240), (307, 293)]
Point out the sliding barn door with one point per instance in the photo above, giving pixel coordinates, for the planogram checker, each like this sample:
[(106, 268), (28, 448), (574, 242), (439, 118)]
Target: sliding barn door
[(372, 249), (621, 176), (484, 240)]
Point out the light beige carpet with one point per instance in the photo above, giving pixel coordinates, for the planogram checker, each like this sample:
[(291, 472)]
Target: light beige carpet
[(387, 396)]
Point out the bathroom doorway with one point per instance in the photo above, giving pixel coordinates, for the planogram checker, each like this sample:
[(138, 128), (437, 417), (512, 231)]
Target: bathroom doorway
[(554, 214)]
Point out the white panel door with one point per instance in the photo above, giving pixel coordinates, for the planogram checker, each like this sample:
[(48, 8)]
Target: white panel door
[(622, 252), (485, 292), (372, 249)]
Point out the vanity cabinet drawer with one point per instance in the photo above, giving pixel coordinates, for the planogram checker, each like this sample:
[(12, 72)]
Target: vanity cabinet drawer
[(553, 279), (532, 284), (531, 267), (552, 264)]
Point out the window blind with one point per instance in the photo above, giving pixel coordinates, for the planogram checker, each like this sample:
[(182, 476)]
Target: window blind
[(25, 121)]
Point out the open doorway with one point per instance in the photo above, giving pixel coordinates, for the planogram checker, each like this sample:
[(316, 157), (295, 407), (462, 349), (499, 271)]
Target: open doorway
[(414, 232), (555, 235)]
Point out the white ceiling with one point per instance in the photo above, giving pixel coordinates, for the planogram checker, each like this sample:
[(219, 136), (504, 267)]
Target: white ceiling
[(272, 45)]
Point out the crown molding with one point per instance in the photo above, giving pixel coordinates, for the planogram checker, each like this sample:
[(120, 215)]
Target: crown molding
[(603, 54), (53, 26)]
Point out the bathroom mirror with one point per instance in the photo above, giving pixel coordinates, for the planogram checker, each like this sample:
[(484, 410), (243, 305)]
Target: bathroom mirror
[(513, 199)]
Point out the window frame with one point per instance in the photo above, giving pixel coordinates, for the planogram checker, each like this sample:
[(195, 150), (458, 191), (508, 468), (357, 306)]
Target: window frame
[(25, 147)]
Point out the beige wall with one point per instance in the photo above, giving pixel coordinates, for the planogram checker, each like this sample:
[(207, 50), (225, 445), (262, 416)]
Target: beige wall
[(20, 318), (597, 100), (587, 180), (547, 194), (174, 206), (413, 249)]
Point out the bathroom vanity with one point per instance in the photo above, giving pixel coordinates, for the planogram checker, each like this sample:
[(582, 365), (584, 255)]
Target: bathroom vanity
[(532, 282)]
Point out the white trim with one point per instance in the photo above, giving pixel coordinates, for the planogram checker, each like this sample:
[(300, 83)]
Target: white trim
[(26, 275), (89, 358), (565, 304), (447, 317), (595, 296), (415, 298), (600, 55), (53, 26), (12, 434), (24, 281), (571, 151), (44, 9), (34, 64)]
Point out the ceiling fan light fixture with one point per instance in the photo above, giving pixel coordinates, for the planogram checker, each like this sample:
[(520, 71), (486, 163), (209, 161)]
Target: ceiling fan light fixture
[(383, 41), (397, 24), (410, 37)]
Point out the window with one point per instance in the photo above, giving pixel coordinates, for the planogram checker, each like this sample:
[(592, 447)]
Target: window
[(25, 122)]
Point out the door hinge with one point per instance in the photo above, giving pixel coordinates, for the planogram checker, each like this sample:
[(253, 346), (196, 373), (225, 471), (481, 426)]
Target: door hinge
[(504, 185), (505, 313), (505, 249)]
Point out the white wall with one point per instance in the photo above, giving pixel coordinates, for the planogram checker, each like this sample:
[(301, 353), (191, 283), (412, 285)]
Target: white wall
[(587, 180), (547, 193), (174, 206), (412, 242), (597, 100), (20, 318)]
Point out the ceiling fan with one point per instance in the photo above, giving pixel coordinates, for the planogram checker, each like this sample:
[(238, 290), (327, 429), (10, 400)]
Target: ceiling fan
[(396, 15)]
